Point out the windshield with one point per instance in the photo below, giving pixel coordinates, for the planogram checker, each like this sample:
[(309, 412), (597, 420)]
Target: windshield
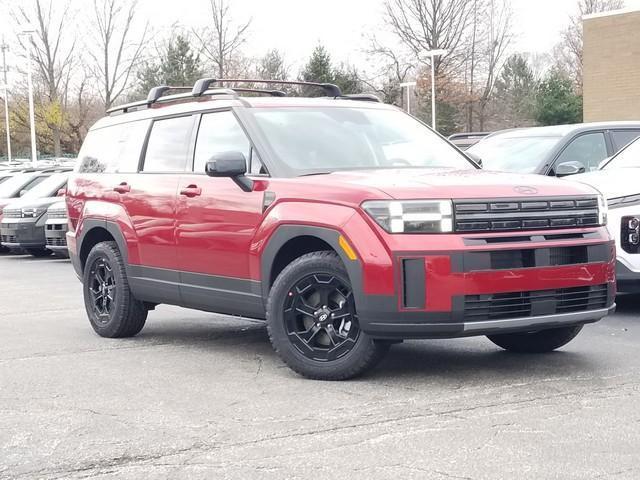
[(12, 186), (627, 158), (327, 139), (513, 154), (49, 187)]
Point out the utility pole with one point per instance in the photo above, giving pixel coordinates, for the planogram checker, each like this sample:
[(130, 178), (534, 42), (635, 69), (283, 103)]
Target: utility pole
[(28, 31), (4, 47)]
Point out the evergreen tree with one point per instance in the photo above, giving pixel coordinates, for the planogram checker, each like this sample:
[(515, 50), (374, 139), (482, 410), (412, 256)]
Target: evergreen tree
[(556, 102), (178, 65), (515, 92), (272, 66), (320, 69)]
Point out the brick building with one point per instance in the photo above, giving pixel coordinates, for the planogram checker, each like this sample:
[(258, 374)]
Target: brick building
[(611, 59)]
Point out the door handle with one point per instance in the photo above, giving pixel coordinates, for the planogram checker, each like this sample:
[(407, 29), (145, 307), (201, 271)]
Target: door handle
[(191, 191), (124, 187)]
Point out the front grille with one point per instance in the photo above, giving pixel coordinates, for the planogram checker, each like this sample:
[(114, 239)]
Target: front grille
[(539, 302), (51, 214), (56, 242), (9, 239), (518, 214), (55, 227), (12, 213)]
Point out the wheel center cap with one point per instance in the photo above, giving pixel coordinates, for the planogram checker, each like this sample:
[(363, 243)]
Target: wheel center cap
[(323, 315)]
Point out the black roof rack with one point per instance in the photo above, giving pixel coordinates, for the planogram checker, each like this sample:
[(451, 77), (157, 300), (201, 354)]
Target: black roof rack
[(203, 87)]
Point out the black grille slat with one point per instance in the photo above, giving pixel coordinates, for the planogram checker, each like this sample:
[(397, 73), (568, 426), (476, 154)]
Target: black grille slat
[(9, 239), (522, 304), (518, 214), (56, 242)]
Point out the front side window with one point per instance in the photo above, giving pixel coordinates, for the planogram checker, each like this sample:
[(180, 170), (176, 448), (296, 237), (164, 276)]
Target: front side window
[(325, 139), (168, 146), (589, 149), (219, 132), (627, 158)]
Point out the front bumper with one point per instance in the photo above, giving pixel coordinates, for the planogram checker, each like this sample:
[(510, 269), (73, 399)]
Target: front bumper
[(493, 288), (56, 235), (22, 233)]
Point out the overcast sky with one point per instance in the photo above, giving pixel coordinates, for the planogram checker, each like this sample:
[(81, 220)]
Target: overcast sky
[(296, 26)]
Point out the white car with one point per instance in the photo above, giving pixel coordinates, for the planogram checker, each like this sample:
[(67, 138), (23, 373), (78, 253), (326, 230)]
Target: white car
[(619, 181)]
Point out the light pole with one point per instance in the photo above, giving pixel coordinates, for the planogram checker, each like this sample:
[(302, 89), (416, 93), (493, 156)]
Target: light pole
[(408, 86), (4, 47), (29, 31), (433, 54)]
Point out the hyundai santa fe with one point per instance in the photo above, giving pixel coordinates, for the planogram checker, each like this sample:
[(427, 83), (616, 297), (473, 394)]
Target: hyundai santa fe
[(343, 223)]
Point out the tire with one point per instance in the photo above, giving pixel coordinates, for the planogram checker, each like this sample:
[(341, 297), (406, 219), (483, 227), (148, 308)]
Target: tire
[(120, 314), (314, 344), (38, 252), (536, 342)]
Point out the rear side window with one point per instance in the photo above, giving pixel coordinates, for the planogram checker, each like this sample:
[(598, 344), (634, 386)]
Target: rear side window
[(622, 138), (168, 146), (114, 149), (219, 132)]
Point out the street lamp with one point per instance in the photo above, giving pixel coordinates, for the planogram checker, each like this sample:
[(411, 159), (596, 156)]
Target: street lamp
[(28, 31), (434, 53), (408, 86), (4, 47)]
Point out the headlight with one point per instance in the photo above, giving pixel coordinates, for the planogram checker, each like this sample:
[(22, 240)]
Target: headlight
[(412, 216), (603, 210)]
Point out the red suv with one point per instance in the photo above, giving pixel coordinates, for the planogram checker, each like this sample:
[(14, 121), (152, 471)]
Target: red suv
[(345, 223)]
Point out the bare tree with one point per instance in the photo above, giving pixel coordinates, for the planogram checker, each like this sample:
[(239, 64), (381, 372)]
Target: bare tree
[(569, 51), (221, 42), (53, 55), (392, 69), (118, 49), (423, 25)]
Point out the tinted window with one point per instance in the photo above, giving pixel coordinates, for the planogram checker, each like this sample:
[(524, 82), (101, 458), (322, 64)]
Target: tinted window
[(218, 133), (114, 149), (589, 149), (168, 145), (621, 138), (48, 187), (627, 158)]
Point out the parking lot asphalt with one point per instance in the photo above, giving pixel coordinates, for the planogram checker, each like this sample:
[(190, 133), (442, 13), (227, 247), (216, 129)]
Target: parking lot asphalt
[(203, 396)]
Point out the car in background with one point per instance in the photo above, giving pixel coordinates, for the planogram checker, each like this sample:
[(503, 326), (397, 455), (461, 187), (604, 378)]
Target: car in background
[(23, 221), (55, 229), (466, 140), (556, 151), (618, 179)]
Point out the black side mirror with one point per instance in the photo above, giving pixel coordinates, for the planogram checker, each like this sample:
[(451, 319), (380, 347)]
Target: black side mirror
[(232, 165), (475, 158), (565, 169)]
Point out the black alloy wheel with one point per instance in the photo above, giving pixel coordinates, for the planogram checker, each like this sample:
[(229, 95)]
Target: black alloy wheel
[(102, 288), (320, 317)]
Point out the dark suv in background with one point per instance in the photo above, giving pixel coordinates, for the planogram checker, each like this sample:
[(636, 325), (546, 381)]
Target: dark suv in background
[(345, 223), (560, 150)]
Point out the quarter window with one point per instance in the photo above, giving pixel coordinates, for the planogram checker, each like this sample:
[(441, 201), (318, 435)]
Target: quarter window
[(168, 146), (621, 138), (589, 149), (219, 132), (114, 149)]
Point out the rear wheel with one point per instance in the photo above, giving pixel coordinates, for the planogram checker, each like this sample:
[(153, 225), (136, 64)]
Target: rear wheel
[(112, 309), (38, 252), (536, 342), (313, 324)]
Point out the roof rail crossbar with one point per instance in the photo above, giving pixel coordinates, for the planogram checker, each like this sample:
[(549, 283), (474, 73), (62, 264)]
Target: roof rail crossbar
[(363, 97), (273, 93), (202, 86), (156, 92), (329, 89)]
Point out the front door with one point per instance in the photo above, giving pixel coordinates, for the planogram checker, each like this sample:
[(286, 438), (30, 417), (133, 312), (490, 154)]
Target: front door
[(216, 222)]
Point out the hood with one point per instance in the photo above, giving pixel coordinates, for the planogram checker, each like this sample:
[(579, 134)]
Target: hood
[(448, 183), (29, 202), (613, 183)]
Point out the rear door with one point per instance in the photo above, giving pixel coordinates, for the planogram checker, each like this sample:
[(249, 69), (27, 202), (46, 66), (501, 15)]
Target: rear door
[(216, 222)]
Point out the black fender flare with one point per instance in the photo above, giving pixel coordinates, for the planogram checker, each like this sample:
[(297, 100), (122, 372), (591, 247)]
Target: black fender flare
[(112, 228), (285, 233)]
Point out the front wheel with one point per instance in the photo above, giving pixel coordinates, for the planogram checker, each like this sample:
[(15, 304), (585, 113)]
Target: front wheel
[(112, 310), (536, 342), (313, 324)]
